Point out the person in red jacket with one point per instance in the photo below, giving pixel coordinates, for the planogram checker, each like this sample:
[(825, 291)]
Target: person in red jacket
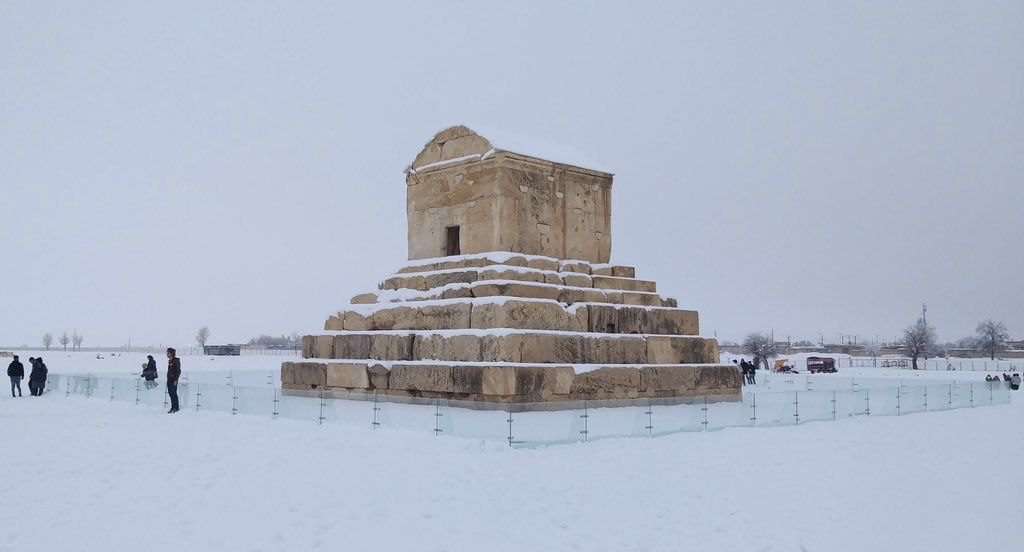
[(173, 373)]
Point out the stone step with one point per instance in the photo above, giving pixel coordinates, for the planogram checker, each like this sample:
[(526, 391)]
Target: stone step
[(514, 382), (525, 314), (431, 280), (520, 260), (568, 295), (513, 346)]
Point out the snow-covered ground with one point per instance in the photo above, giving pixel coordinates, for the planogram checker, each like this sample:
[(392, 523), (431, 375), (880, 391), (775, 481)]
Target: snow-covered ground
[(88, 474)]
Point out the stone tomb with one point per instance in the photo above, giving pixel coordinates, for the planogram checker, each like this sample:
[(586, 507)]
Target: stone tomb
[(508, 296)]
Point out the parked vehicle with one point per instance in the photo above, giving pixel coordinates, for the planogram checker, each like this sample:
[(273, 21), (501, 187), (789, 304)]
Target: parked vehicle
[(818, 365)]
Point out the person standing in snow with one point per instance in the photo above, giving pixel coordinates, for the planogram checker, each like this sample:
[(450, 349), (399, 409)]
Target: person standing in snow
[(16, 371), (1015, 382), (37, 377), (173, 373), (149, 372), (752, 373)]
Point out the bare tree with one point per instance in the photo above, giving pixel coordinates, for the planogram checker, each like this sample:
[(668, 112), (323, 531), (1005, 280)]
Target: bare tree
[(76, 340), (873, 349), (47, 340), (918, 340), (991, 337), (761, 346), (202, 336), (64, 340)]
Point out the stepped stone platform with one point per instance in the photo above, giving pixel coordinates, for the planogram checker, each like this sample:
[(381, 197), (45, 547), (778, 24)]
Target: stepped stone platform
[(509, 297)]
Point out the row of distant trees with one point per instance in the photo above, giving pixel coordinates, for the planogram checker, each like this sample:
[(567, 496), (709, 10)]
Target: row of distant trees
[(919, 341), (294, 340), (75, 340)]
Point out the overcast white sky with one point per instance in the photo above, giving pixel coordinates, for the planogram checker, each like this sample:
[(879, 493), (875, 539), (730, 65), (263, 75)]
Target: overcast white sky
[(788, 166)]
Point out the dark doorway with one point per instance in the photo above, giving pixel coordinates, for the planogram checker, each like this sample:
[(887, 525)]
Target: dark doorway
[(453, 245)]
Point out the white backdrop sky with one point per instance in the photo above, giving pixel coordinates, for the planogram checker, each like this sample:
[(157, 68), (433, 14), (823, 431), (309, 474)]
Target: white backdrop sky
[(796, 167)]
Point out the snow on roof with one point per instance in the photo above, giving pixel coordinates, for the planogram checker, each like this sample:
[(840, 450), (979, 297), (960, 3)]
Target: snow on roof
[(501, 140)]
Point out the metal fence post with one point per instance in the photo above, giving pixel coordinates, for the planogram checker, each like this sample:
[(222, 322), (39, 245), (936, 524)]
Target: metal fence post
[(234, 400), (705, 409), (111, 389), (320, 419), (137, 385), (833, 405), (376, 409), (650, 419), (510, 428), (437, 417), (898, 394), (796, 407), (199, 399), (586, 422), (277, 401), (753, 408), (867, 401)]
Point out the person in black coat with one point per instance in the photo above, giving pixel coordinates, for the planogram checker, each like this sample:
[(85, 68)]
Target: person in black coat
[(37, 377), (149, 372), (16, 371)]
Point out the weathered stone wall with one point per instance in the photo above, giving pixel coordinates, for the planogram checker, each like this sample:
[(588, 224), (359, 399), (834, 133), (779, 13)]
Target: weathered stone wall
[(505, 202), (512, 384)]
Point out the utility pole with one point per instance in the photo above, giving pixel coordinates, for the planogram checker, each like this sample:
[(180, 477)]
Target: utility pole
[(924, 312)]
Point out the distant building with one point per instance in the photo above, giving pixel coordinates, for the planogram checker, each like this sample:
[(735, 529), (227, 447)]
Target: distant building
[(222, 350)]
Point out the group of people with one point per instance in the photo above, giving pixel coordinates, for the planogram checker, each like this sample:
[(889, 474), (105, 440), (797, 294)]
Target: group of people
[(748, 370), (36, 376), (149, 374), (1014, 380)]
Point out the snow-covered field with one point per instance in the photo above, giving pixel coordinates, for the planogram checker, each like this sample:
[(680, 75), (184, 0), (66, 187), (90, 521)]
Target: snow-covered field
[(87, 474)]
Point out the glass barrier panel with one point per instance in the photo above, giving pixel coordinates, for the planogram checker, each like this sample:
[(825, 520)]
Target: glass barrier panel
[(299, 405), (774, 409), (615, 418), (212, 396), (851, 402), (478, 420), (815, 405), (678, 415), (124, 390), (937, 397), (256, 401), (962, 395), (544, 423), (884, 401), (1000, 393), (913, 399), (417, 414), (727, 412), (348, 408)]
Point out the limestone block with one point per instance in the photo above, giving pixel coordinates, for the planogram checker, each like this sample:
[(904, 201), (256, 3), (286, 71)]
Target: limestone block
[(457, 293), (355, 322), (498, 380), (548, 348), (642, 299), (681, 350), (623, 271), (468, 379), (677, 379), (391, 347), (350, 376), (352, 346), (364, 299), (463, 348), (577, 280), (378, 375), (287, 372), (323, 347), (334, 324), (614, 350), (530, 315), (637, 320), (583, 317), (669, 302), (509, 274), (553, 279), (544, 381), (307, 346), (309, 374), (579, 267), (516, 290), (429, 281), (624, 284), (417, 377), (608, 382)]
